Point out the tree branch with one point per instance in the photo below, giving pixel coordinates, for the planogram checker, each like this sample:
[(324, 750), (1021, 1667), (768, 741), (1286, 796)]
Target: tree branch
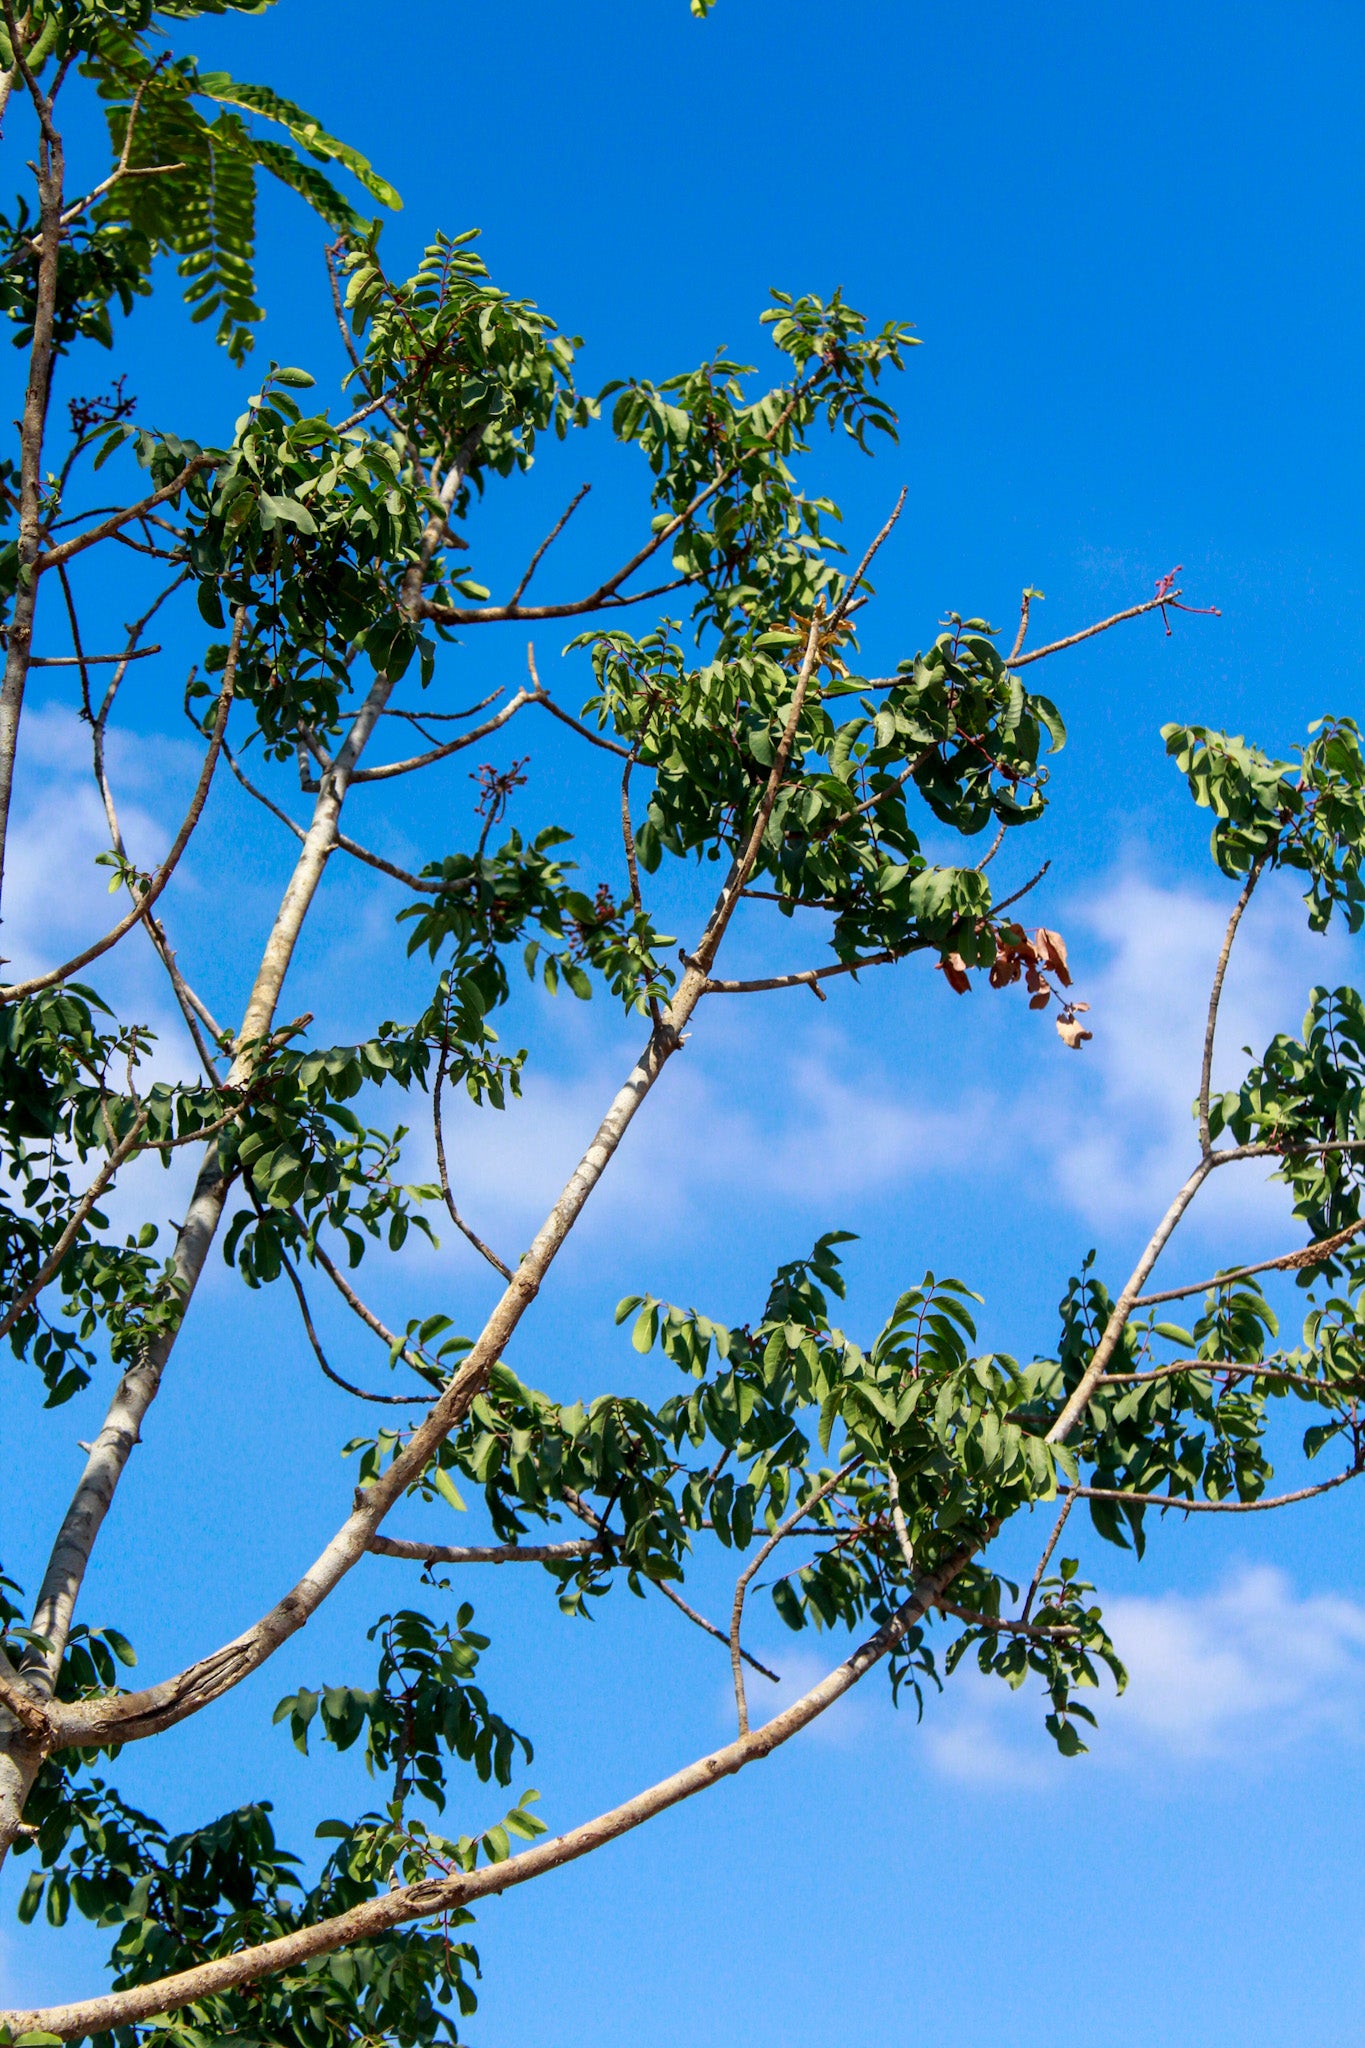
[(1123, 1307), (540, 695), (438, 1895), (51, 1265), (1215, 996), (483, 1553), (137, 1715), (551, 537), (91, 660), (473, 1237), (1217, 1507), (742, 1582), (32, 431), (1134, 611), (1046, 1558), (607, 594), (810, 977), (77, 545), (999, 1626), (137, 1389), (1311, 1255), (385, 1400), (389, 769)]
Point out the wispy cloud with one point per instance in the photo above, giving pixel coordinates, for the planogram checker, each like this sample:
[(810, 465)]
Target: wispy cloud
[(57, 900), (1234, 1677), (1119, 1150), (1106, 1134)]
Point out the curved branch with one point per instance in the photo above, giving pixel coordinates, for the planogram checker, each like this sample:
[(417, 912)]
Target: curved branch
[(605, 1537), (389, 769), (52, 1264), (607, 594), (361, 853), (1123, 1307), (810, 977), (1215, 996), (1134, 611), (81, 541), (1217, 1507), (386, 1400), (742, 1582), (540, 695), (367, 1315), (486, 1251), (1311, 1255), (483, 1553), (17, 990), (439, 1895)]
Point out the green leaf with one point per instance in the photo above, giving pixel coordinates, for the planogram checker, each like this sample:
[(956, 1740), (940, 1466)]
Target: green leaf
[(446, 1487)]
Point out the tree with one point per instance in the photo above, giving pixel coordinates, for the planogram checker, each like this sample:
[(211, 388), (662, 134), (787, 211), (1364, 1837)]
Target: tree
[(870, 1479)]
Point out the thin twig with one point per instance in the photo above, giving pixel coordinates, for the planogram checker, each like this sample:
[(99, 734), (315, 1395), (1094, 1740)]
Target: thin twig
[(1226, 1369), (421, 718), (999, 1626), (809, 976), (1025, 601), (1216, 1507), (607, 595), (711, 1629), (396, 1344), (389, 769), (604, 1535), (995, 847), (551, 537), (1134, 611), (385, 1400), (80, 542), (90, 660), (1007, 901), (1215, 994), (836, 617), (1046, 1557), (540, 695), (191, 1009), (1311, 1255), (50, 1266), (811, 1500), (455, 1216)]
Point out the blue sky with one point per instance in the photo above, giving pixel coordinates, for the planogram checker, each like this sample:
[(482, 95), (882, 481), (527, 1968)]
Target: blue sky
[(1131, 244)]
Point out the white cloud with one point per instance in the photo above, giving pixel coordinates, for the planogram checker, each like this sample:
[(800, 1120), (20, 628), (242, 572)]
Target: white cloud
[(57, 900), (1120, 1149), (799, 1114), (1234, 1677), (706, 1138)]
